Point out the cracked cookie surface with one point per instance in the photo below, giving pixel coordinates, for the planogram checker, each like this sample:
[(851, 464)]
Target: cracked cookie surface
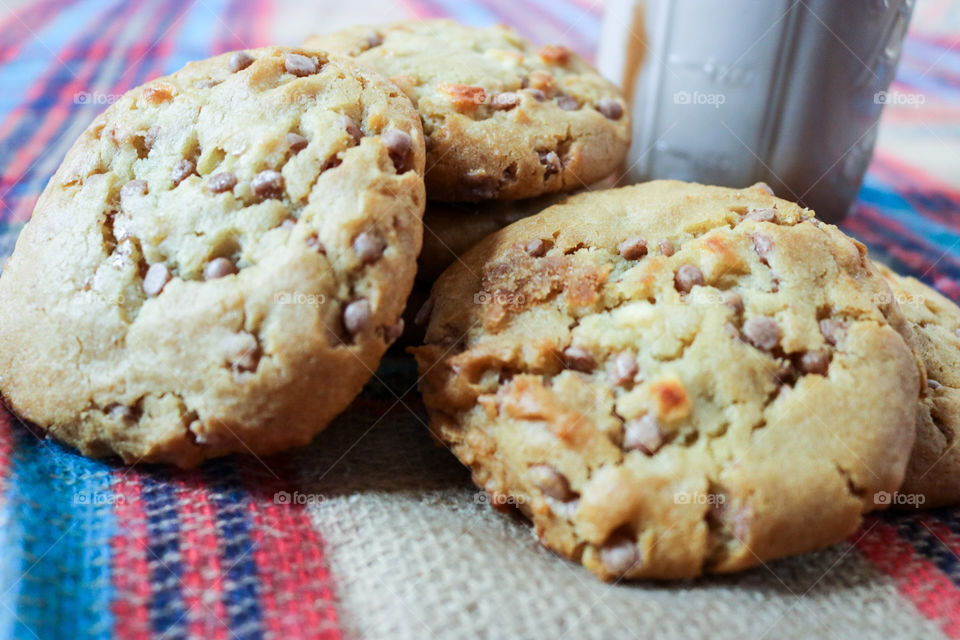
[(671, 378), (504, 119), (934, 468), (219, 262)]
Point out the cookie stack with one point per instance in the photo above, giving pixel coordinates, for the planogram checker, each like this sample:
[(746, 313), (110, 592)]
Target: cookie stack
[(666, 378)]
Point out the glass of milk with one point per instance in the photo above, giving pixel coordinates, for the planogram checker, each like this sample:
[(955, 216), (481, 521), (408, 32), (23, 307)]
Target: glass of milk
[(733, 92)]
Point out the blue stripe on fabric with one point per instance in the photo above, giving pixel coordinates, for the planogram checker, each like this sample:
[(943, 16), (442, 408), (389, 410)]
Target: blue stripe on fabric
[(930, 547), (38, 109), (167, 608), (896, 208), (240, 583), (32, 181), (195, 39), (36, 57), (466, 12), (62, 504)]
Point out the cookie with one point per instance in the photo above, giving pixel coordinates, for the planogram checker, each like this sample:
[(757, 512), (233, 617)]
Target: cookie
[(503, 119), (933, 474), (219, 262), (451, 228), (671, 378)]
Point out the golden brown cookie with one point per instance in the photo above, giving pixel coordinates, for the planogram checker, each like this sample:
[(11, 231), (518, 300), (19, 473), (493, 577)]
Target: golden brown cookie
[(220, 261), (672, 378), (933, 475), (503, 119)]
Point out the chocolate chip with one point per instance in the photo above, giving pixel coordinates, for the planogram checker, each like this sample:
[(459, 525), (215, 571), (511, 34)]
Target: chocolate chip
[(239, 60), (134, 188), (158, 275), (218, 268), (933, 384), (610, 108), (248, 360), (833, 330), (619, 555), (423, 314), (643, 434), (374, 40), (150, 137), (300, 65), (313, 242), (762, 215), (815, 362), (551, 482), (399, 145), (666, 247), (481, 185), (578, 359), (367, 248), (505, 101), (568, 103), (537, 94), (122, 413), (762, 244), (537, 247), (762, 332), (633, 248), (332, 162), (356, 317), (762, 186), (687, 277), (551, 162), (394, 331), (296, 142), (733, 300), (623, 369), (350, 126), (267, 184), (182, 170), (220, 182)]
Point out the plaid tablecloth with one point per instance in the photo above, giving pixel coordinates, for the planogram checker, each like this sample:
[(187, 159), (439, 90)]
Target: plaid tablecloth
[(372, 531)]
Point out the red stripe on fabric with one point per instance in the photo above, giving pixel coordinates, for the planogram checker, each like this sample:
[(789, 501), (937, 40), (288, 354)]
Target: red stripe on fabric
[(24, 23), (593, 6), (918, 264), (261, 32), (55, 116), (6, 441), (422, 10), (925, 586), (867, 217), (202, 573), (917, 175), (290, 560), (130, 568)]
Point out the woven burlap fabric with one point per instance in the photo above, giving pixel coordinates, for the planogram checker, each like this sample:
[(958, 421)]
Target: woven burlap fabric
[(417, 553)]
